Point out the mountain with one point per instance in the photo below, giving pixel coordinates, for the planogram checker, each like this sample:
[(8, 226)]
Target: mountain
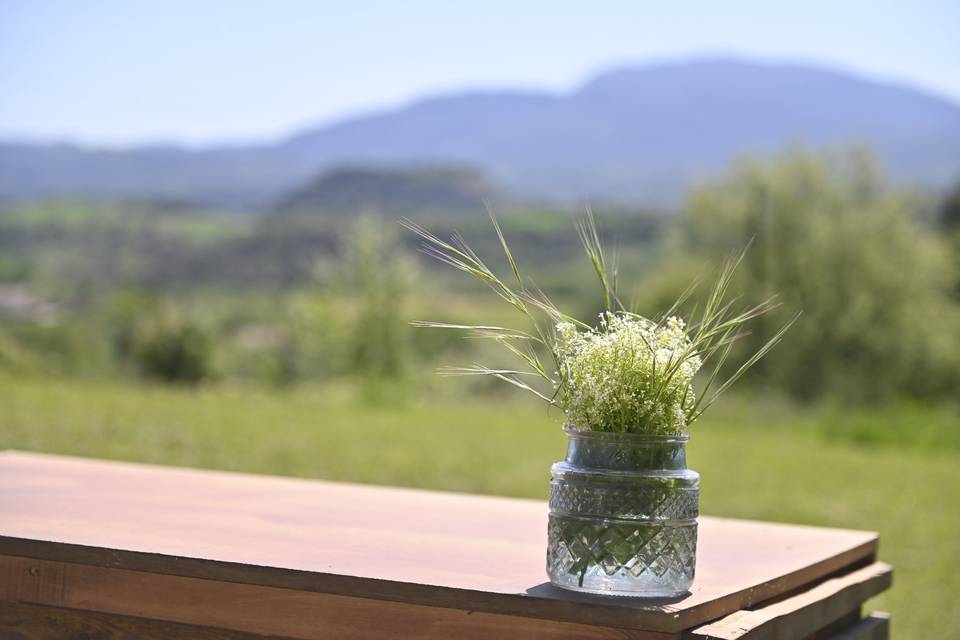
[(635, 134), (391, 191)]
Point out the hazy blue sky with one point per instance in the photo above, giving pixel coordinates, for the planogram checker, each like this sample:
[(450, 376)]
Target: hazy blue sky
[(194, 71)]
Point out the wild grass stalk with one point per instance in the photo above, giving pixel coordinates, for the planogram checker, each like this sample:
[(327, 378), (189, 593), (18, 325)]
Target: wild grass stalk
[(625, 373)]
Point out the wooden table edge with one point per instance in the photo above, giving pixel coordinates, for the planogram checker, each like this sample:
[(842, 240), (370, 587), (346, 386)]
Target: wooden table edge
[(30, 620), (63, 585), (574, 608), (806, 612)]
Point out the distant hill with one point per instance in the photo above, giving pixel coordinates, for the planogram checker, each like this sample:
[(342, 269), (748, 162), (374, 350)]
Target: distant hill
[(390, 191), (632, 134)]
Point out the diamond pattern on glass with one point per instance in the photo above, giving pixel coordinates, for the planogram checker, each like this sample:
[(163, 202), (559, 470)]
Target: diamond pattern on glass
[(604, 555), (641, 503)]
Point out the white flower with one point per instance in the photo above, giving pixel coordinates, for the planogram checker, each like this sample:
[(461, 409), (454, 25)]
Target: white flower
[(630, 374)]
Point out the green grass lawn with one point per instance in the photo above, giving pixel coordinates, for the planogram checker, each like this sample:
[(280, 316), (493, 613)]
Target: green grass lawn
[(760, 460)]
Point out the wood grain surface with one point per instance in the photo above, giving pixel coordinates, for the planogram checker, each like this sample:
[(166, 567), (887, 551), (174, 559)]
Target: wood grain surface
[(271, 611), (473, 553), (33, 622)]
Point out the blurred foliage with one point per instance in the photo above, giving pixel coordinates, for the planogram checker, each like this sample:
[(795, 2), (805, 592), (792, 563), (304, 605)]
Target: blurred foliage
[(377, 276), (178, 294), (949, 212), (121, 315), (169, 347), (949, 220), (901, 423), (832, 240), (75, 348)]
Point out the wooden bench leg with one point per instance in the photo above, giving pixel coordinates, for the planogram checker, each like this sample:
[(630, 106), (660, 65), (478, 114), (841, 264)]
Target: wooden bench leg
[(875, 626)]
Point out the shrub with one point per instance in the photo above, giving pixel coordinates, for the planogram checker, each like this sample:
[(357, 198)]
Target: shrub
[(173, 350)]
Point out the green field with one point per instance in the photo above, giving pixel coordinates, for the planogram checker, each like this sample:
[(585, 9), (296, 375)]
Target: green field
[(759, 459)]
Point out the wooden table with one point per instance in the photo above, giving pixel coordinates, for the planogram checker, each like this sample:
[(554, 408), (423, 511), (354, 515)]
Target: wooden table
[(99, 550)]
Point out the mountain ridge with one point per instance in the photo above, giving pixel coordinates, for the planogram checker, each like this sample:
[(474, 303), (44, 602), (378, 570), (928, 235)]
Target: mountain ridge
[(629, 134)]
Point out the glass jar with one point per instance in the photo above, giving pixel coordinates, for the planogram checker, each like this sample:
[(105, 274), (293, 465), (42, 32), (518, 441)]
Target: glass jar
[(623, 515)]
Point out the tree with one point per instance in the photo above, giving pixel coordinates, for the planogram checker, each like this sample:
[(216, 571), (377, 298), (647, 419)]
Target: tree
[(949, 217), (833, 241), (376, 274)]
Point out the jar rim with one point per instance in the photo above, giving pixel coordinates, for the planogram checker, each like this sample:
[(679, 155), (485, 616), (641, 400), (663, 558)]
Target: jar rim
[(632, 437)]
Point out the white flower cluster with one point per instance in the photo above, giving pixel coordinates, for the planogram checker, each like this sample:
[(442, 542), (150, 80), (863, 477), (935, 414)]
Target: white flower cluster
[(628, 375)]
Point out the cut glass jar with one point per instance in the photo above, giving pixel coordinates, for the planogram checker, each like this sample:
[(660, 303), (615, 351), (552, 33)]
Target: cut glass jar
[(623, 515)]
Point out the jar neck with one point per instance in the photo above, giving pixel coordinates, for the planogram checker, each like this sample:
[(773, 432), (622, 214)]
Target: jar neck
[(625, 451)]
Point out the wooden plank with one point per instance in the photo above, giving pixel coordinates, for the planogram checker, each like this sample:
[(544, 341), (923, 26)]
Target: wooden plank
[(34, 622), (804, 614), (875, 626), (474, 553), (270, 611)]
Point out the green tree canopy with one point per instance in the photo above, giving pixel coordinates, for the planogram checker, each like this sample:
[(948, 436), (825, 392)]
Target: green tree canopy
[(834, 241)]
